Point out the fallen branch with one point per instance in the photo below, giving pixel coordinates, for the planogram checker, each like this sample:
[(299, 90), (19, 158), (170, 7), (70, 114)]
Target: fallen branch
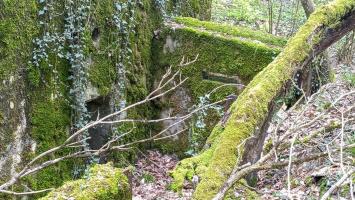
[(338, 184)]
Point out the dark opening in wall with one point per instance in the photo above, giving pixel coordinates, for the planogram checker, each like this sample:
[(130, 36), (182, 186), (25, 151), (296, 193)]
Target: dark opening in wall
[(100, 134), (95, 35), (220, 77)]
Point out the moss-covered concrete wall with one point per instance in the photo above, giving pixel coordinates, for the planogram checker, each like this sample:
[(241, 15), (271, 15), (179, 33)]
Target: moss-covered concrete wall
[(103, 182), (35, 106), (15, 48), (226, 54), (35, 99)]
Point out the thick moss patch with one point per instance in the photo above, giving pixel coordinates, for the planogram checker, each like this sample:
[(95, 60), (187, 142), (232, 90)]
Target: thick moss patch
[(217, 53), (104, 182), (235, 31), (252, 106), (222, 59), (46, 87), (15, 50)]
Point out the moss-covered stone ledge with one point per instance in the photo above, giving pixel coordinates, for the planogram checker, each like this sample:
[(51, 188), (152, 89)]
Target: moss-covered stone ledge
[(233, 51), (225, 55), (232, 31), (104, 182)]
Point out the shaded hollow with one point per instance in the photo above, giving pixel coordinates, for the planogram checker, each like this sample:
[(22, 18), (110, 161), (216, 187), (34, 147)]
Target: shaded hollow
[(99, 134)]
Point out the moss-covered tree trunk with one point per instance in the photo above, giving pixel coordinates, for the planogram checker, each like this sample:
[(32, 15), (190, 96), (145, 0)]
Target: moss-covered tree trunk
[(310, 76), (250, 113)]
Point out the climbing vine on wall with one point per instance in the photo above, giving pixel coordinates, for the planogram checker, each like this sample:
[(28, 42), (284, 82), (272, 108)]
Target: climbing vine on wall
[(50, 41), (125, 23), (162, 5), (70, 44), (74, 32)]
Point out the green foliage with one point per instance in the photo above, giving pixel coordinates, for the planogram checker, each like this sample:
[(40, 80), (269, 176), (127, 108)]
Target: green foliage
[(200, 9), (287, 16), (148, 178), (237, 11), (349, 78)]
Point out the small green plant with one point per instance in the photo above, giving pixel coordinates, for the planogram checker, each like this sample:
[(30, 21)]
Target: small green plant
[(349, 78), (323, 186), (326, 105), (351, 141), (148, 178)]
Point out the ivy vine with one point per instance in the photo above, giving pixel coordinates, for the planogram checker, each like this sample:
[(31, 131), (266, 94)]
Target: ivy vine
[(74, 29)]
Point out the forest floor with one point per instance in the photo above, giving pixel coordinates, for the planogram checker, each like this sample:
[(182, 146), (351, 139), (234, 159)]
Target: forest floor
[(334, 127), (151, 179), (308, 180)]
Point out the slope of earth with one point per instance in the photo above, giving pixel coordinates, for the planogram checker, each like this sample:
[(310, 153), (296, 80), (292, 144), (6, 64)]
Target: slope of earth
[(323, 124)]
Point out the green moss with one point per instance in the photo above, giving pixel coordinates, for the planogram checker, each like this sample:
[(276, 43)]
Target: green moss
[(252, 105), (235, 31), (16, 34), (200, 9), (1, 118), (15, 50), (104, 182), (104, 56), (332, 76), (50, 122), (217, 54), (49, 111), (189, 167), (102, 69), (196, 165), (237, 58)]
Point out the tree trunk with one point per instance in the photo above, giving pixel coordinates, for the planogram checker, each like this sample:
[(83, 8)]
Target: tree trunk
[(308, 75), (252, 109), (308, 7)]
